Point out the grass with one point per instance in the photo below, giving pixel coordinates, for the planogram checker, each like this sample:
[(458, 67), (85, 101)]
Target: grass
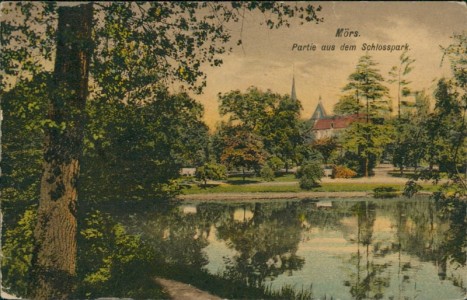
[(325, 187), (252, 179)]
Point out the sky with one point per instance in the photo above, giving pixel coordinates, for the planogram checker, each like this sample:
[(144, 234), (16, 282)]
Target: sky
[(267, 60)]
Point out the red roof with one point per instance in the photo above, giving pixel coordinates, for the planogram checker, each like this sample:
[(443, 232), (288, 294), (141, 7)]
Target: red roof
[(337, 122)]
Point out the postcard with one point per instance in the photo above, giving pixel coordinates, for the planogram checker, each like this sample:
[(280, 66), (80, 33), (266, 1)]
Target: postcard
[(233, 150)]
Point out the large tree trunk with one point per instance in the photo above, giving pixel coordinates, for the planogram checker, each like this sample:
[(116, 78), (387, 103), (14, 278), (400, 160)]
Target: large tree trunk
[(54, 261)]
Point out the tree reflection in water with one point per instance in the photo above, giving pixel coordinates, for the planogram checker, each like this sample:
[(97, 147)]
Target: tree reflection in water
[(394, 242), (266, 244), (366, 274), (264, 239)]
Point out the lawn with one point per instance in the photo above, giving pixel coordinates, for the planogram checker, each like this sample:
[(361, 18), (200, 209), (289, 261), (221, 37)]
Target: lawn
[(238, 180), (325, 187)]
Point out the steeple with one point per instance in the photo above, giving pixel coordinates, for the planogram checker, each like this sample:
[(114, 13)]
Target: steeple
[(293, 94)]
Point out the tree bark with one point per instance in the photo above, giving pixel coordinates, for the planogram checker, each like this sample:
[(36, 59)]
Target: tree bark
[(54, 260), (367, 173)]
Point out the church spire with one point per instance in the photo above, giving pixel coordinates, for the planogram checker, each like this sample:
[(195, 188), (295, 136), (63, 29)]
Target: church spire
[(293, 94)]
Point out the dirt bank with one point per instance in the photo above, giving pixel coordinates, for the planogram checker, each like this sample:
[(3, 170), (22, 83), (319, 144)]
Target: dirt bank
[(182, 291)]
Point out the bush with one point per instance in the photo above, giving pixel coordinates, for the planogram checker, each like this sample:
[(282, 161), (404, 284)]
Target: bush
[(309, 174), (342, 172), (267, 174), (385, 192), (411, 188), (357, 163)]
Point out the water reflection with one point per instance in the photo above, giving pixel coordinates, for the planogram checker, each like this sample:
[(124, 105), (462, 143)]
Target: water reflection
[(362, 249), (393, 249)]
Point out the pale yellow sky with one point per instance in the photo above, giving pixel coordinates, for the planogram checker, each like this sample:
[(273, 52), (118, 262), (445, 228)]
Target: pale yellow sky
[(267, 59)]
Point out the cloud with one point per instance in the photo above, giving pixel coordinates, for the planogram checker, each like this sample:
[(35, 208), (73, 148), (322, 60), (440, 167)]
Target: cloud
[(267, 61)]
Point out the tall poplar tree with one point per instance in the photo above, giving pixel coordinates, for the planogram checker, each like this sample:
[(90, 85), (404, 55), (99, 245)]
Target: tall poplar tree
[(398, 76)]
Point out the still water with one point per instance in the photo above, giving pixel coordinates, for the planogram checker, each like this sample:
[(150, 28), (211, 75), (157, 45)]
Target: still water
[(333, 249)]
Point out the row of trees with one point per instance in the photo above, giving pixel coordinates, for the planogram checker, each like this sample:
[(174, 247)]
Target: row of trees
[(418, 134)]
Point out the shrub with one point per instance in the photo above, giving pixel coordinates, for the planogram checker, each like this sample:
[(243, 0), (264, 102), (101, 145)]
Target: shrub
[(309, 174), (385, 192), (267, 174), (411, 188), (342, 172)]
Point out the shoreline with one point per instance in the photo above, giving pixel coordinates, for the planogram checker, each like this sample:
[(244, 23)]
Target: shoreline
[(280, 196), (271, 196)]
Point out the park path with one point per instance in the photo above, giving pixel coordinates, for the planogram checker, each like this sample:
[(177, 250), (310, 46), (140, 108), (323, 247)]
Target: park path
[(182, 291)]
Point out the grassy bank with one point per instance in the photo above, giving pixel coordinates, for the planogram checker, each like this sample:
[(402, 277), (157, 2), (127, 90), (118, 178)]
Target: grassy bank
[(325, 187)]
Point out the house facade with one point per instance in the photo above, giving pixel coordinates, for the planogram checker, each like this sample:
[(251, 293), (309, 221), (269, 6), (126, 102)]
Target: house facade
[(327, 126)]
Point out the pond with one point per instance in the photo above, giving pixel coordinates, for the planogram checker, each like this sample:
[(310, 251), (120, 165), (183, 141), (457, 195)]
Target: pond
[(321, 249), (283, 249)]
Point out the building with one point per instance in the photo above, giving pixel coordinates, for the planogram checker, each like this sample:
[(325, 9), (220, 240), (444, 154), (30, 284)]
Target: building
[(326, 126)]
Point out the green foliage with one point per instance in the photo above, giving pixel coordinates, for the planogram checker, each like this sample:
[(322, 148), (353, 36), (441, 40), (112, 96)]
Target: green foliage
[(24, 109), (145, 144), (137, 43), (367, 83), (275, 119), (309, 174), (17, 251), (455, 52), (211, 171), (342, 172), (364, 144), (290, 293), (108, 256), (275, 163), (347, 105), (267, 173), (283, 132), (385, 192), (326, 146), (243, 149), (250, 108), (411, 188), (445, 128), (411, 136), (398, 75)]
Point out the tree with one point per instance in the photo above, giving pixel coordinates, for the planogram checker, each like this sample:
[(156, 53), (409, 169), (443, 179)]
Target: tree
[(146, 145), (363, 141), (243, 150), (363, 144), (211, 171), (398, 74), (54, 263), (348, 105), (273, 117), (309, 174), (127, 48), (411, 134), (282, 131), (326, 146), (250, 108), (366, 83)]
